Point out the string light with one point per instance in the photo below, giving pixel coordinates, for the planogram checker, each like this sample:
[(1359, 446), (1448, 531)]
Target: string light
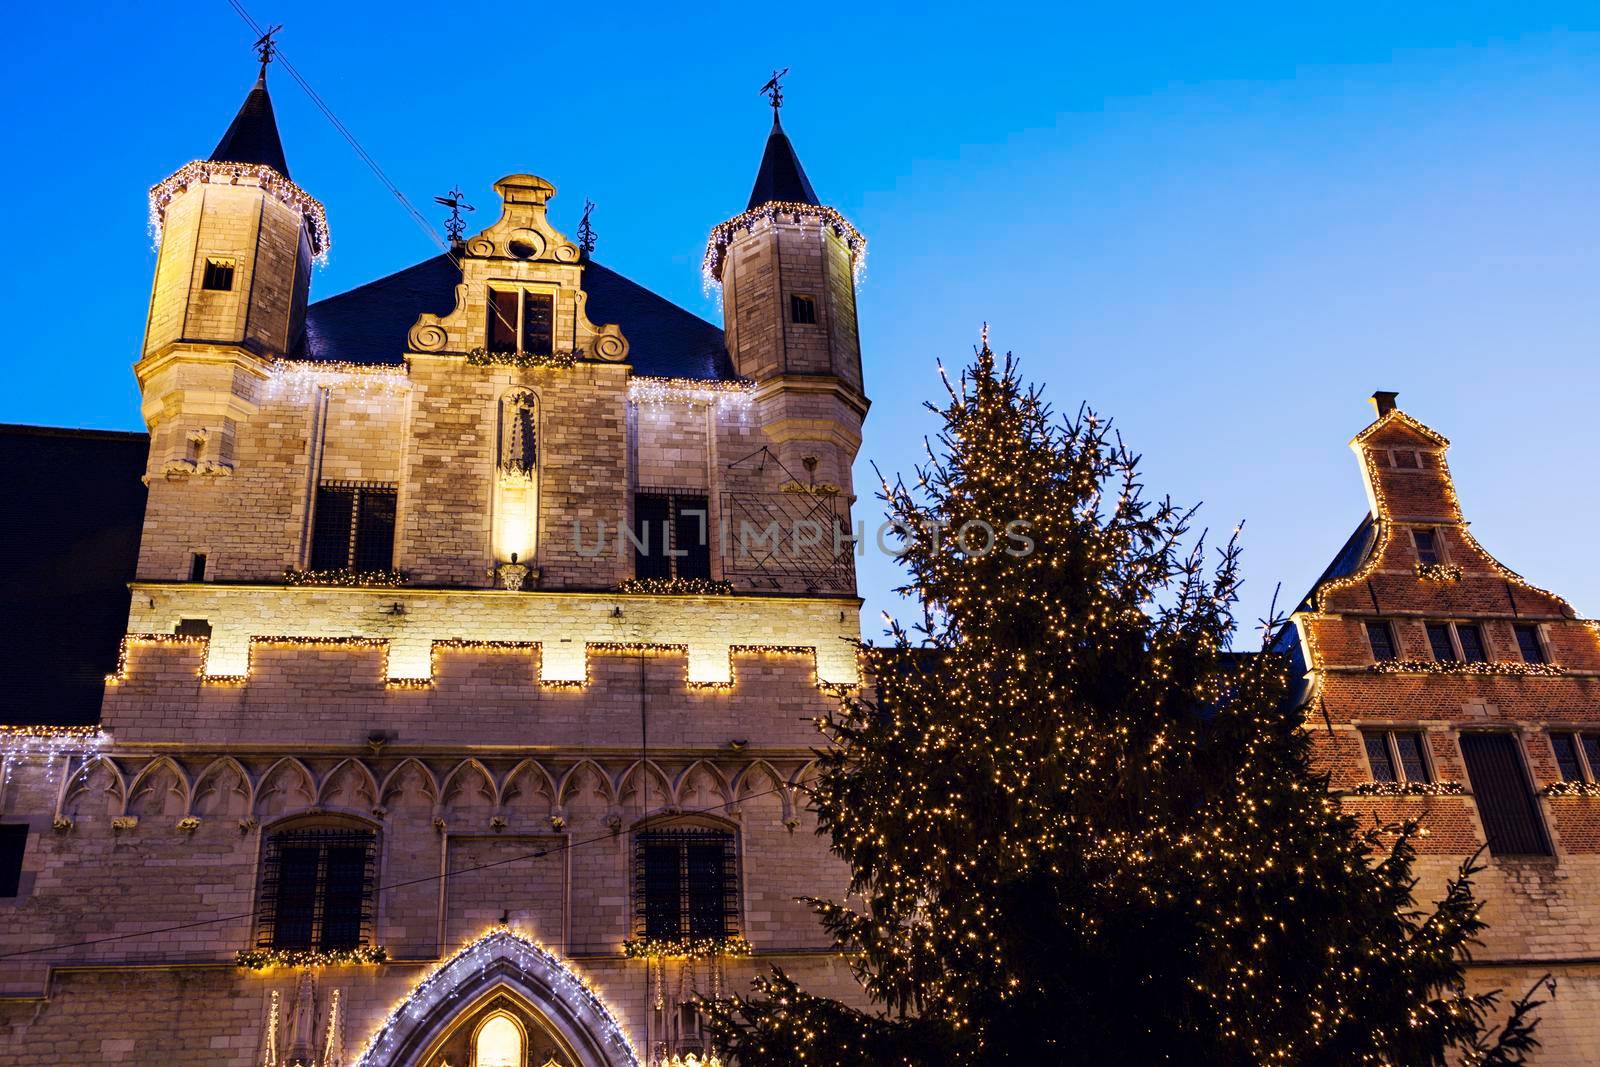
[(262, 959), (345, 577), (1409, 789), (677, 586), (446, 980), (205, 171), (1456, 666), (482, 357), (771, 212), (636, 948), (653, 392), (300, 379), (1571, 789), (1439, 572)]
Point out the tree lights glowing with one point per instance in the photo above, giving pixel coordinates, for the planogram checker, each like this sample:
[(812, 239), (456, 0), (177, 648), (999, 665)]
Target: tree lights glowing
[(1069, 806)]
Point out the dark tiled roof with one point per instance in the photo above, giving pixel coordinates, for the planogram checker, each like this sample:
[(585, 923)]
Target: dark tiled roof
[(369, 324), (1357, 547), (781, 176), (253, 135), (71, 511)]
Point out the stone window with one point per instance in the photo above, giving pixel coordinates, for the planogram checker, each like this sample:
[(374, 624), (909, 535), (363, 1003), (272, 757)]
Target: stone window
[(13, 842), (318, 888), (353, 527), (1504, 795), (521, 320), (1428, 549), (1529, 643), (193, 628), (1460, 642), (197, 567), (686, 883), (1577, 755), (1380, 635), (802, 310), (218, 274), (1396, 755), (671, 536)]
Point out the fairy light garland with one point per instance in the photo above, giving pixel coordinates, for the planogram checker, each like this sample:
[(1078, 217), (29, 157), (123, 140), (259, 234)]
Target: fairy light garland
[(1439, 572), (482, 357), (677, 586), (1455, 666), (648, 391), (261, 959), (638, 948), (1409, 789), (346, 577), (775, 211), (205, 171), (1571, 789), (301, 379), (51, 744), (446, 980)]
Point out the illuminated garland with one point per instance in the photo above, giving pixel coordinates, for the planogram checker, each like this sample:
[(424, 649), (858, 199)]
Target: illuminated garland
[(1571, 789), (300, 378), (205, 171), (1456, 666), (723, 235), (1439, 572), (260, 959), (649, 391), (1409, 789), (482, 357), (638, 948), (46, 743), (677, 586), (445, 981), (345, 577)]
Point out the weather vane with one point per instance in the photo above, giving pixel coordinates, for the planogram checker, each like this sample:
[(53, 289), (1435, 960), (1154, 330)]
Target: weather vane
[(454, 226), (773, 90), (266, 47), (586, 232)]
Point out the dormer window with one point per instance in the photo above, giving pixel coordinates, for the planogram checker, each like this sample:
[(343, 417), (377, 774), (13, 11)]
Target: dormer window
[(521, 320), (802, 310), (218, 275)]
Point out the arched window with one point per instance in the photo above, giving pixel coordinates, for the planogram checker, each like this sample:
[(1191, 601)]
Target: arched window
[(686, 883), (318, 887), (500, 1042), (516, 503)]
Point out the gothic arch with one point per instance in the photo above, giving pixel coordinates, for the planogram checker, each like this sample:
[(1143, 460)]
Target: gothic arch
[(639, 778), (527, 782), (346, 785), (760, 780), (154, 781), (688, 796), (214, 780), (501, 962), (394, 785), (284, 778), (99, 769)]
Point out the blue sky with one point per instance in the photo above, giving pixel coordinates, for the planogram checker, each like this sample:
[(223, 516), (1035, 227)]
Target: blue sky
[(1223, 227)]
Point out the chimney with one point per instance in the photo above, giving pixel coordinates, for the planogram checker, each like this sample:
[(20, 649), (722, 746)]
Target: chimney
[(1384, 401)]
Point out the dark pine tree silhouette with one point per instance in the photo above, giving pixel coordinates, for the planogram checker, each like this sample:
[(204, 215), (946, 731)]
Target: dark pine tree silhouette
[(1080, 830)]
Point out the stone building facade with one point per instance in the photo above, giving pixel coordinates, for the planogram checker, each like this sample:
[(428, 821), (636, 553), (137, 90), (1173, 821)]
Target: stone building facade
[(480, 620), (477, 624), (1441, 687)]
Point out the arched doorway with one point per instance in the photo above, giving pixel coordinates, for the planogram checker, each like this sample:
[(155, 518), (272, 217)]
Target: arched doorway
[(503, 1001)]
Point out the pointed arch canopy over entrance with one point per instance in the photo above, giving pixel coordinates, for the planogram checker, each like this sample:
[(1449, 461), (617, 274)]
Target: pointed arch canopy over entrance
[(502, 959)]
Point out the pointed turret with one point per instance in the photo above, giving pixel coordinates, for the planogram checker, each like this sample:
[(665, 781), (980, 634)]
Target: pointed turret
[(781, 177), (252, 137)]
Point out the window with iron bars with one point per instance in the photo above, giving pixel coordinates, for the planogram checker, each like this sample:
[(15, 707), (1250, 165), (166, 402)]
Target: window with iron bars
[(686, 884), (317, 889), (353, 527), (671, 534)]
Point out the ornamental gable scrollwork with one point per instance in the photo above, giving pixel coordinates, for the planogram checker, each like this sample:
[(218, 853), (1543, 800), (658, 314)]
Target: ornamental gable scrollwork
[(520, 252)]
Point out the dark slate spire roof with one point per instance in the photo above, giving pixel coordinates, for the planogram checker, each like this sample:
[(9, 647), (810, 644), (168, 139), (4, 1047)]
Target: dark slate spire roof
[(253, 135), (370, 324), (781, 176)]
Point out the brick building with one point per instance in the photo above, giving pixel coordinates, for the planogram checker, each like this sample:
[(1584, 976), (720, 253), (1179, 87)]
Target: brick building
[(462, 639), (1440, 686), (478, 621)]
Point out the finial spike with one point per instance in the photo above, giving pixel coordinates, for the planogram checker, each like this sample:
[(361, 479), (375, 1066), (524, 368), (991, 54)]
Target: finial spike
[(773, 91)]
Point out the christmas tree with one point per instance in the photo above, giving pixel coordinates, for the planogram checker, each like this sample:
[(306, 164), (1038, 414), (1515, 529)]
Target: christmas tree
[(1082, 830)]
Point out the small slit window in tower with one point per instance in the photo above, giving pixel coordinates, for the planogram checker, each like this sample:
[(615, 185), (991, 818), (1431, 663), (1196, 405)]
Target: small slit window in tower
[(802, 310), (218, 275), (13, 842), (197, 567)]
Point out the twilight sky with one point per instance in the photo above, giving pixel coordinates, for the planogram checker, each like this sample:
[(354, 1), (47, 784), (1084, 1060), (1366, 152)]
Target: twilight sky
[(1224, 228)]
